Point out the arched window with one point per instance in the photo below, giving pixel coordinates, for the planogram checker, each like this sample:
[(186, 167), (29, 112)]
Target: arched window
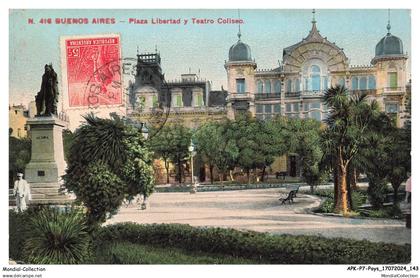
[(289, 86), (363, 83), (297, 85), (267, 87), (371, 82), (354, 83), (259, 87), (341, 82), (277, 86), (315, 75)]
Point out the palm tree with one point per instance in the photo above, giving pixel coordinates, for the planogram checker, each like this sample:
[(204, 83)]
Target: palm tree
[(348, 120)]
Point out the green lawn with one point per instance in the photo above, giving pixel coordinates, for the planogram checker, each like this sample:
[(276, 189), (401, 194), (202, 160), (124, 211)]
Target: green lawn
[(130, 253)]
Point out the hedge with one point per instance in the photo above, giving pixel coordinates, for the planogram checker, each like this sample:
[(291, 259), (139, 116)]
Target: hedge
[(131, 253), (263, 247)]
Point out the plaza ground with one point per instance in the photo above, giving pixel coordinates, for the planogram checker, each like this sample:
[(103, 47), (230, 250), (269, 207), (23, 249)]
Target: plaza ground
[(260, 210)]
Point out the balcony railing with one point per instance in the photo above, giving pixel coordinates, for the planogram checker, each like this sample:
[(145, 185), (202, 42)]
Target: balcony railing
[(370, 92), (245, 95), (393, 90), (292, 94), (313, 93), (267, 96)]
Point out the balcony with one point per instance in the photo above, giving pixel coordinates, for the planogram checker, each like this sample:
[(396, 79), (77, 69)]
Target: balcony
[(393, 91), (239, 96), (369, 92), (267, 96), (312, 93), (293, 94)]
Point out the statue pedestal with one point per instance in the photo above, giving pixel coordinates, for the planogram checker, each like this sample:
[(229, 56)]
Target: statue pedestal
[(47, 165)]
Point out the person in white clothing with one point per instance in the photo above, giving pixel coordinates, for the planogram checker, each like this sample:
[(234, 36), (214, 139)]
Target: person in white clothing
[(22, 192)]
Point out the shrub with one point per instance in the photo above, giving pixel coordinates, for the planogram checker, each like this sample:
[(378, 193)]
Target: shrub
[(279, 249), (18, 231), (327, 206), (102, 193), (107, 161), (376, 192), (57, 238), (130, 253), (358, 198)]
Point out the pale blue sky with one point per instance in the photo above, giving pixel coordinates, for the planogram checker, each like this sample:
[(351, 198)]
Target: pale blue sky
[(203, 47)]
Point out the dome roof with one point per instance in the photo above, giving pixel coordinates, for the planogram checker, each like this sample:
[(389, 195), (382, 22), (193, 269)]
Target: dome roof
[(389, 45), (240, 51)]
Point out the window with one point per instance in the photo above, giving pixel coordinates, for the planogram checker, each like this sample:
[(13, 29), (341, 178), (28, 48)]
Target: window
[(392, 80), (259, 108), (341, 82), (154, 101), (265, 111), (371, 82), (240, 85), (296, 107), (305, 106), (391, 108), (267, 87), (259, 87), (178, 101), (363, 83), (316, 105), (315, 75), (277, 87), (354, 83), (289, 86), (297, 85), (198, 100), (288, 107), (277, 108), (315, 115)]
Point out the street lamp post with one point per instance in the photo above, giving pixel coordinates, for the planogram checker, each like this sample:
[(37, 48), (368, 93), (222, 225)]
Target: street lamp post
[(191, 149)]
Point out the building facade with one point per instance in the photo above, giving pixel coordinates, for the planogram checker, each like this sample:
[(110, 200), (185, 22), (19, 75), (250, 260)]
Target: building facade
[(18, 115), (309, 67), (188, 101)]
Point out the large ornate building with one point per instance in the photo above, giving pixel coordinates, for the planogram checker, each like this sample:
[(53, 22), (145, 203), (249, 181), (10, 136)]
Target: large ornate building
[(296, 87)]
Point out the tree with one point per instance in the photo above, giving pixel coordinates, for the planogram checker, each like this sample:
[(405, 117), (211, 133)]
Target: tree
[(68, 138), (19, 156), (374, 157), (303, 137), (349, 118), (226, 155), (399, 162), (171, 144), (209, 139), (160, 144), (107, 161)]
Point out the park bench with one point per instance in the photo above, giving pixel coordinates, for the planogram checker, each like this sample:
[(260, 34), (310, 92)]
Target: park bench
[(292, 194), (281, 174)]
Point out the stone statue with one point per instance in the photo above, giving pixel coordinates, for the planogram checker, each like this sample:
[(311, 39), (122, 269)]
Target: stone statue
[(47, 98)]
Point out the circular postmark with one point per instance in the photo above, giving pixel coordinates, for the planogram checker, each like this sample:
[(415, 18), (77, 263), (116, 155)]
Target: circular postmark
[(114, 85)]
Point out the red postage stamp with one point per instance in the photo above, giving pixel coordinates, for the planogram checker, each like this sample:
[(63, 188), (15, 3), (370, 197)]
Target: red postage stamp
[(92, 70)]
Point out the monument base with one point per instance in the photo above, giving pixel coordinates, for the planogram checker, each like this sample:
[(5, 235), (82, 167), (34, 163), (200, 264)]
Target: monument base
[(47, 165)]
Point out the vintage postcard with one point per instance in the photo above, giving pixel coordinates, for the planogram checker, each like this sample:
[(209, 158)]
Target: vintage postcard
[(233, 137)]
